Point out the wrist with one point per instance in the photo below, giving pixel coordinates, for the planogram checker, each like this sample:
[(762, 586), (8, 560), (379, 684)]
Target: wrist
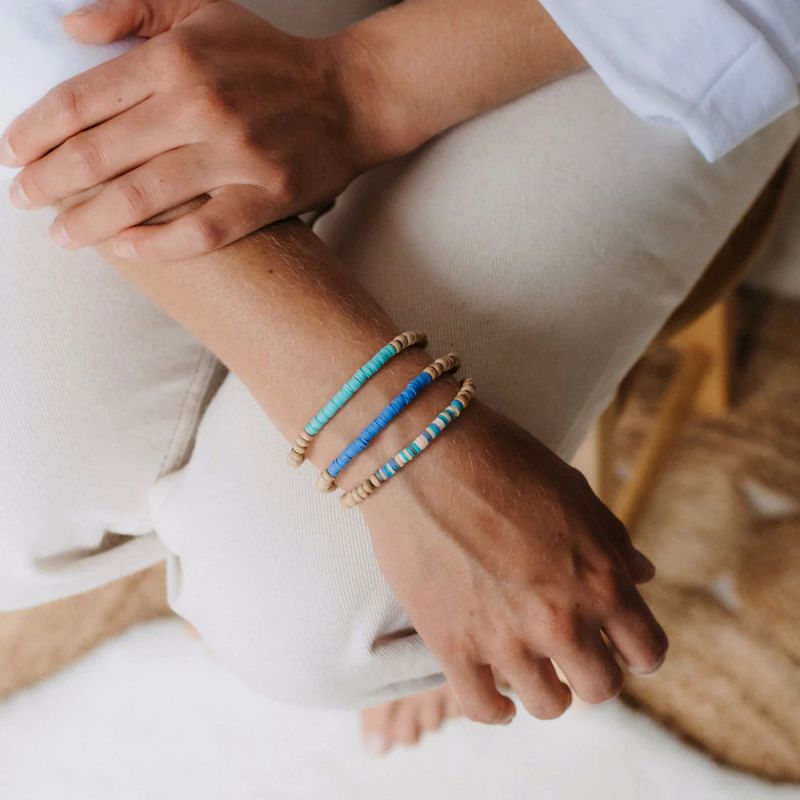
[(381, 122), (369, 401)]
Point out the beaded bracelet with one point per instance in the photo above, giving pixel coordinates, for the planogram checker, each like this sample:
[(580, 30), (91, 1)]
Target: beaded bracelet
[(349, 388), (409, 453), (327, 479)]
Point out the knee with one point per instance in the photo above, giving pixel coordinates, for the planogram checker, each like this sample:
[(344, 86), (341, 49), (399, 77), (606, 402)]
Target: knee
[(292, 655)]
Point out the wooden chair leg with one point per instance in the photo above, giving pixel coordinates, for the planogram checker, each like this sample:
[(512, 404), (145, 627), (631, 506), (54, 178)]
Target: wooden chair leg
[(714, 333), (604, 451), (680, 398)]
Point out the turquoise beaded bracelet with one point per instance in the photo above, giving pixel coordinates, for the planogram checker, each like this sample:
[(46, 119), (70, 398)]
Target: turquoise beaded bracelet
[(410, 452), (327, 479), (349, 388)]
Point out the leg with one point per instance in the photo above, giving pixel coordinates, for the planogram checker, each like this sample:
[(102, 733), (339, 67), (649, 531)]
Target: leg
[(100, 394), (100, 391), (548, 242), (548, 264)]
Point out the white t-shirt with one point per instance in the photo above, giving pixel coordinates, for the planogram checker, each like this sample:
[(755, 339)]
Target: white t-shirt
[(719, 69)]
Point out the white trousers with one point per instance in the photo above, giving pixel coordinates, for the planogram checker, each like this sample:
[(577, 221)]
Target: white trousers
[(546, 241)]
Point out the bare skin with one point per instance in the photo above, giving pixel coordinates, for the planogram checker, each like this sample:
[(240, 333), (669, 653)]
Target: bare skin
[(219, 101), (404, 722), (510, 563)]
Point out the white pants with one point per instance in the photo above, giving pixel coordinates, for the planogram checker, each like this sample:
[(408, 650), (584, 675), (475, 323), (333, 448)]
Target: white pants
[(546, 241)]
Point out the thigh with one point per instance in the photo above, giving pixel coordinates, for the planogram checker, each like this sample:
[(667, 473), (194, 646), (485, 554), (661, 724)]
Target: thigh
[(547, 242), (99, 392), (99, 396), (548, 259)]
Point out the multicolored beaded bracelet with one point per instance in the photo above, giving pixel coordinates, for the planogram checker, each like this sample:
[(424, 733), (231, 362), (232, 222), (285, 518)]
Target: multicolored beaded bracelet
[(356, 496), (349, 388), (327, 479)]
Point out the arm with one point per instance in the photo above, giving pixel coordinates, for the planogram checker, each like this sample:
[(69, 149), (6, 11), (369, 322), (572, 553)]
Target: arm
[(436, 63), (509, 562), (269, 124)]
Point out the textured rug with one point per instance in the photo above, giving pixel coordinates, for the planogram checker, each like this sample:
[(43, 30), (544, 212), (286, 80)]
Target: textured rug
[(723, 526), (37, 642)]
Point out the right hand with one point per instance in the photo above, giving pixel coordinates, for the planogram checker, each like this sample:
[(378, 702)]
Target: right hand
[(504, 558)]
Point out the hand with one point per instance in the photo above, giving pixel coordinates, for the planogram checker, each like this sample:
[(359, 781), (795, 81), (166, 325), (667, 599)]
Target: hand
[(504, 558), (218, 102)]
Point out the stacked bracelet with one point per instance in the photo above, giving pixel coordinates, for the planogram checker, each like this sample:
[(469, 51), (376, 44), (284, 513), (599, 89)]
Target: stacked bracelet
[(327, 478), (409, 453), (359, 378)]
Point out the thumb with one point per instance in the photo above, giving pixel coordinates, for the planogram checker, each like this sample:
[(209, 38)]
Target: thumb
[(109, 20)]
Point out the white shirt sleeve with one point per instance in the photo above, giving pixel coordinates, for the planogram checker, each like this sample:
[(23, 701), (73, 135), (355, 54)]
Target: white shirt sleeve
[(719, 70)]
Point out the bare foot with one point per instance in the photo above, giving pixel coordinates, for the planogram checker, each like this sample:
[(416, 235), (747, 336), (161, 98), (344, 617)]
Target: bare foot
[(404, 721)]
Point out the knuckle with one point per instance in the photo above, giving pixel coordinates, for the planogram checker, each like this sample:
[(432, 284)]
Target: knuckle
[(68, 103), (608, 584), (510, 646), (550, 707), (282, 187), (133, 200), (607, 685), (209, 100), (558, 628), (205, 235), (178, 50), (85, 159)]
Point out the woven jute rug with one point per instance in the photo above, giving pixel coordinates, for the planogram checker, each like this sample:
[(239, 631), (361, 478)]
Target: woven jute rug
[(723, 527), (37, 642)]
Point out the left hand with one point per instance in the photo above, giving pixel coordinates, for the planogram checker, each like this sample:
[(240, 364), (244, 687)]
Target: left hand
[(217, 102)]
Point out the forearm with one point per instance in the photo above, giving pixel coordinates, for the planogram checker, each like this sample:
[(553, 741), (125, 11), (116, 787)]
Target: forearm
[(431, 64), (284, 314)]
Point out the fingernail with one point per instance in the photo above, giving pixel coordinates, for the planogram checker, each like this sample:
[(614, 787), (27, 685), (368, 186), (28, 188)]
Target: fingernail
[(87, 9), (646, 673), (124, 248), (509, 718), (58, 233), (376, 744), (7, 154), (18, 196)]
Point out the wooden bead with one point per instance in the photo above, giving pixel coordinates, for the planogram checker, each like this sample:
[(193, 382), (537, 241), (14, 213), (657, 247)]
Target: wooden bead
[(325, 483)]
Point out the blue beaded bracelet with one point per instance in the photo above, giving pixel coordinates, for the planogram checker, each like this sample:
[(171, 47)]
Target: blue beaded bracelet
[(349, 388), (413, 449), (327, 478)]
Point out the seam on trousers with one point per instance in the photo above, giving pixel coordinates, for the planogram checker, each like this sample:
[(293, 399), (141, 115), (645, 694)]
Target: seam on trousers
[(194, 401)]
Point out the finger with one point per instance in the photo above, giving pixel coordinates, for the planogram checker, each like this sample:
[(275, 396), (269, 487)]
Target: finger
[(231, 213), (590, 667), (638, 638), (432, 713), (477, 693), (105, 22), (99, 154), (405, 728), (161, 184), (376, 725), (452, 708), (535, 681), (78, 104), (640, 568)]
